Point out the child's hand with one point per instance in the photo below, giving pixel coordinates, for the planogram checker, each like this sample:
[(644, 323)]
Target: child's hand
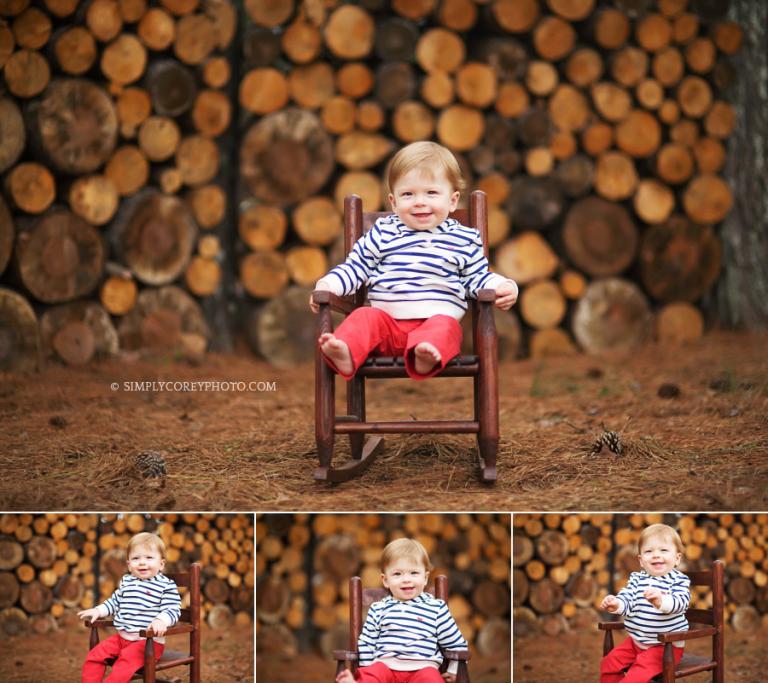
[(654, 596), (449, 678), (345, 677), (506, 295), (610, 604), (320, 286), (90, 614), (159, 627)]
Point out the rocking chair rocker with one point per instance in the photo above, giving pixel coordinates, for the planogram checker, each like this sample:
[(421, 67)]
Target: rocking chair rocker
[(481, 366)]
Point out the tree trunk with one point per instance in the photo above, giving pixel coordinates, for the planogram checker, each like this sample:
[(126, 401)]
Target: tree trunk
[(612, 314), (12, 134), (526, 258), (679, 260), (600, 237), (155, 235), (78, 331), (9, 589), (19, 349), (286, 157), (60, 258), (166, 318), (546, 596), (283, 330)]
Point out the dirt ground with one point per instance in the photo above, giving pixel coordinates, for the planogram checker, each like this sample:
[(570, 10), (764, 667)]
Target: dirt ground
[(69, 439), (311, 668), (227, 656), (544, 659)]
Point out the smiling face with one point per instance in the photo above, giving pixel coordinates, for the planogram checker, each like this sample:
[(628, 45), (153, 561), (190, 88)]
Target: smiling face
[(145, 561), (423, 199), (659, 555), (405, 578)]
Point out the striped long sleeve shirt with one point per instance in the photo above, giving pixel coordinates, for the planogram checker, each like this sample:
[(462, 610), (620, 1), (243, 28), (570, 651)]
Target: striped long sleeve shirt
[(416, 273), (408, 635), (641, 619), (136, 602)]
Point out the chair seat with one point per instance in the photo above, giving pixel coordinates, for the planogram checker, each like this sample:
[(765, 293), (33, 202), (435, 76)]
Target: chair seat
[(170, 658), (394, 366), (689, 665)]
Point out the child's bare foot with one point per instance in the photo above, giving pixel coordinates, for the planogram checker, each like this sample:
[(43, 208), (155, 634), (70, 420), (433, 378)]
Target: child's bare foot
[(345, 677), (337, 352), (426, 357)]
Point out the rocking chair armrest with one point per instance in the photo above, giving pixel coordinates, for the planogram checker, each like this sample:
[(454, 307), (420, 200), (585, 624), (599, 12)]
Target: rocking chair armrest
[(486, 296), (610, 625), (170, 631), (457, 655), (322, 297), (345, 656), (693, 633)]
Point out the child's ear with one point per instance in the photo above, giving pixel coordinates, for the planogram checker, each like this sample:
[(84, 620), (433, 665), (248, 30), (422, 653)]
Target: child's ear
[(455, 200), (391, 199), (384, 581)]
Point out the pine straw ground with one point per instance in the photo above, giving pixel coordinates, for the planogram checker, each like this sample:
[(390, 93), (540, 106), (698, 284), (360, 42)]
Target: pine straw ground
[(227, 655), (69, 441), (575, 657)]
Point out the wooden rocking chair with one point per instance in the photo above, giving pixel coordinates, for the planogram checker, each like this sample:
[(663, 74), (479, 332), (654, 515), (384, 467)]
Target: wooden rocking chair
[(705, 623), (360, 600), (481, 366), (189, 622)]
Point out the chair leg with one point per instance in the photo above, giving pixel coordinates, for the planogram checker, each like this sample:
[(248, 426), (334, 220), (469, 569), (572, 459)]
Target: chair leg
[(487, 393), (356, 407), (149, 661), (325, 414), (668, 672), (462, 675)]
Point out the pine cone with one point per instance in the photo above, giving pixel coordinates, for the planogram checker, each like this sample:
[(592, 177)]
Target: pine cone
[(151, 464), (611, 440)]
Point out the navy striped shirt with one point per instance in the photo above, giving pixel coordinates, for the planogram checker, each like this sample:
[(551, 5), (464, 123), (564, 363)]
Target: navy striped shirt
[(404, 633), (416, 273), (136, 602), (641, 619)]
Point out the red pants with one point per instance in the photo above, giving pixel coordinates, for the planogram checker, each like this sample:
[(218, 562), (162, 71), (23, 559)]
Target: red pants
[(370, 329), (130, 658), (644, 664), (381, 673)]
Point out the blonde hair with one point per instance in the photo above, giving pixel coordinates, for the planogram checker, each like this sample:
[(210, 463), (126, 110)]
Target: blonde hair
[(404, 548), (148, 539), (660, 530), (428, 156)]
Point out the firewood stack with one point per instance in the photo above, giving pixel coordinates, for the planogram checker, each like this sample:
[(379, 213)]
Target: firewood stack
[(561, 571), (564, 565), (304, 563), (114, 198), (597, 130), (53, 565)]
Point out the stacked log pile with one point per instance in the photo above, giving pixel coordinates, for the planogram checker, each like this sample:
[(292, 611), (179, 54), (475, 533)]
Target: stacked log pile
[(597, 129), (53, 565), (565, 564), (561, 571), (114, 195), (304, 563)]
